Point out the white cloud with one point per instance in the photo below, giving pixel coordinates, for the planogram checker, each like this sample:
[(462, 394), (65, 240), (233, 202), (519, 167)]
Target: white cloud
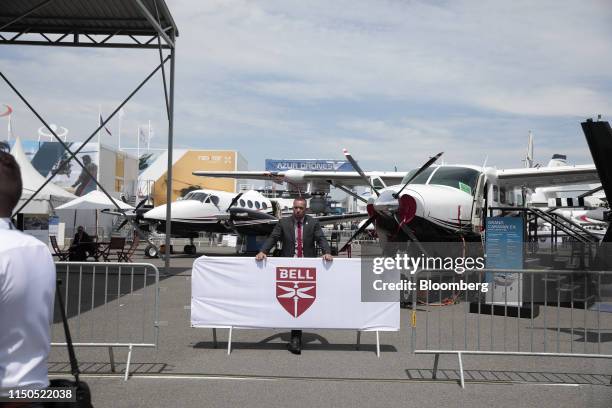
[(554, 101)]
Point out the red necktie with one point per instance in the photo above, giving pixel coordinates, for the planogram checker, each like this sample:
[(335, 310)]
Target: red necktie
[(299, 239)]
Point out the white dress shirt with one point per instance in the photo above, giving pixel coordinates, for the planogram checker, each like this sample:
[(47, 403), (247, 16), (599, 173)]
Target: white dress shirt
[(27, 291)]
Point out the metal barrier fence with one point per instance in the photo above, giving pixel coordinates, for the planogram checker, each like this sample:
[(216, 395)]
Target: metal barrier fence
[(109, 305), (549, 313)]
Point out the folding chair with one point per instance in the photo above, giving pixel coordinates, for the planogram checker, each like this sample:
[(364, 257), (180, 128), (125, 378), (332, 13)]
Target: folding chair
[(117, 243), (61, 255), (126, 256)]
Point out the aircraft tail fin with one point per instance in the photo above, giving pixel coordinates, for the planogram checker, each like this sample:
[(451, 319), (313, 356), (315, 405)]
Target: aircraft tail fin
[(599, 138), (529, 155)]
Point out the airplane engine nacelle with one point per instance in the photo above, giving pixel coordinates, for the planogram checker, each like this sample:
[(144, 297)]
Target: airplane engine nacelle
[(317, 205), (294, 176)]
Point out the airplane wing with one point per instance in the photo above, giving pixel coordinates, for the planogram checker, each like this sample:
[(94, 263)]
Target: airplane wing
[(330, 219), (548, 176), (345, 178), (323, 219)]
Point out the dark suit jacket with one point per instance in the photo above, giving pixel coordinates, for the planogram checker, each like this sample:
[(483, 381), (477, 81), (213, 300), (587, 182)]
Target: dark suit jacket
[(284, 231)]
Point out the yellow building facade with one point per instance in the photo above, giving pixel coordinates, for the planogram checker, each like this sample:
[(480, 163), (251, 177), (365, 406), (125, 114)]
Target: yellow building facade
[(153, 180)]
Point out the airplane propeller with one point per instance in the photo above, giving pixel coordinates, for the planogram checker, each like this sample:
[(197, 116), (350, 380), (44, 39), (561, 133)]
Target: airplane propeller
[(234, 201), (122, 224), (419, 171), (372, 214), (136, 214), (407, 204), (358, 169)]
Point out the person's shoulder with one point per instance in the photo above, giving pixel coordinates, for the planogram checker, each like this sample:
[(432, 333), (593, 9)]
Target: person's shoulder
[(17, 239), (310, 219)]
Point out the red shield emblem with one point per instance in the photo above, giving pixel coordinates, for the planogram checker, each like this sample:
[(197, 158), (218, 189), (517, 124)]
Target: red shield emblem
[(296, 288)]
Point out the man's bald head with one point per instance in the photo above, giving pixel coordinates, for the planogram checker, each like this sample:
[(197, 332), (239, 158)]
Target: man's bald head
[(10, 187)]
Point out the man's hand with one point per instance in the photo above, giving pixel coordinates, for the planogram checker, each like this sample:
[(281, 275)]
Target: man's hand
[(328, 257), (260, 256)]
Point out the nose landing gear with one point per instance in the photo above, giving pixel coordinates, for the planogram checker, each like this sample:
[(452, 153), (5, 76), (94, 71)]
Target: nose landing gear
[(190, 249)]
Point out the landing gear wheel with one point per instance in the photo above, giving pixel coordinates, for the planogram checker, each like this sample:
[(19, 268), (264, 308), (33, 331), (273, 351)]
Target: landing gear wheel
[(151, 251), (189, 249)]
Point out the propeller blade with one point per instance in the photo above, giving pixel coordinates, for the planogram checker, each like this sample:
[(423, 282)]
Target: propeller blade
[(234, 201), (355, 165), (419, 171), (122, 224), (359, 231), (408, 231), (347, 191), (110, 212), (591, 192), (142, 202)]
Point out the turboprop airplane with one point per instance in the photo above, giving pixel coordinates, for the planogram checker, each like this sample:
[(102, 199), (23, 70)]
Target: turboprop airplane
[(433, 203), (204, 210)]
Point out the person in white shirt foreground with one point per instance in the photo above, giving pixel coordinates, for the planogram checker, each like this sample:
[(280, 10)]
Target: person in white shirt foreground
[(27, 291)]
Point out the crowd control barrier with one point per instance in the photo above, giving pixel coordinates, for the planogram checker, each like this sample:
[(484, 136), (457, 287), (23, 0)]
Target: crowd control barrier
[(547, 313), (108, 305)]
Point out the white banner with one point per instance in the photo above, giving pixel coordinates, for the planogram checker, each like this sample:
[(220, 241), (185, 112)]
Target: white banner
[(291, 293)]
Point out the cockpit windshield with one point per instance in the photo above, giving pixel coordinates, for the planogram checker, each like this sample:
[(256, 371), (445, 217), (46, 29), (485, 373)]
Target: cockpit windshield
[(420, 179), (196, 196), (462, 178)]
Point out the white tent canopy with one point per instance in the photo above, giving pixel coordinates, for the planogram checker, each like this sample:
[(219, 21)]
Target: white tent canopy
[(32, 180), (94, 200)]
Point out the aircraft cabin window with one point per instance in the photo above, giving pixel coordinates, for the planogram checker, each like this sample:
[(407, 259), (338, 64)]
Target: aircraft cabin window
[(242, 203), (264, 206), (502, 195), (496, 194), (249, 203), (462, 178), (421, 178), (257, 205), (214, 199), (197, 196), (378, 183)]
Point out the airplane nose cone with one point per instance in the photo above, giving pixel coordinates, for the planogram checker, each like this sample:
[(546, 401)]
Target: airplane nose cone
[(405, 207), (385, 203), (157, 213)]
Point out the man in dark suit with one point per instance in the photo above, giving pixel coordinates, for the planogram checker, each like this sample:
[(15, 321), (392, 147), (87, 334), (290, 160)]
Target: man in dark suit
[(298, 235)]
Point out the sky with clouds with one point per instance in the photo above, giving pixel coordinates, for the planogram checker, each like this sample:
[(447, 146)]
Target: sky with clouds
[(393, 81)]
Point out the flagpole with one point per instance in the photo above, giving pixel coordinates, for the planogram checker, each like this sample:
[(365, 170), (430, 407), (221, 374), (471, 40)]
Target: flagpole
[(149, 137), (100, 122), (119, 130)]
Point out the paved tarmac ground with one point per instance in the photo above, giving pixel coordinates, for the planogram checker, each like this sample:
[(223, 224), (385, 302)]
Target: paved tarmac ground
[(187, 369)]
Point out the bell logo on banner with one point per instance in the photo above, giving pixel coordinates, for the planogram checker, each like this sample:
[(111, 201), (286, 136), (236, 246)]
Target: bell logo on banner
[(296, 288)]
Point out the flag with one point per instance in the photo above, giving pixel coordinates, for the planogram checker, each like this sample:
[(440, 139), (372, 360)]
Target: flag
[(105, 128), (8, 112)]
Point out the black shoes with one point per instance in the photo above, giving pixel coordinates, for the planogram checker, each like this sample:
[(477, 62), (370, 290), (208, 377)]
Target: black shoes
[(295, 345)]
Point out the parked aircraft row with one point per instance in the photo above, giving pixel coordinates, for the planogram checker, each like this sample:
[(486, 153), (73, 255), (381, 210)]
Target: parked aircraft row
[(434, 202), (205, 210)]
